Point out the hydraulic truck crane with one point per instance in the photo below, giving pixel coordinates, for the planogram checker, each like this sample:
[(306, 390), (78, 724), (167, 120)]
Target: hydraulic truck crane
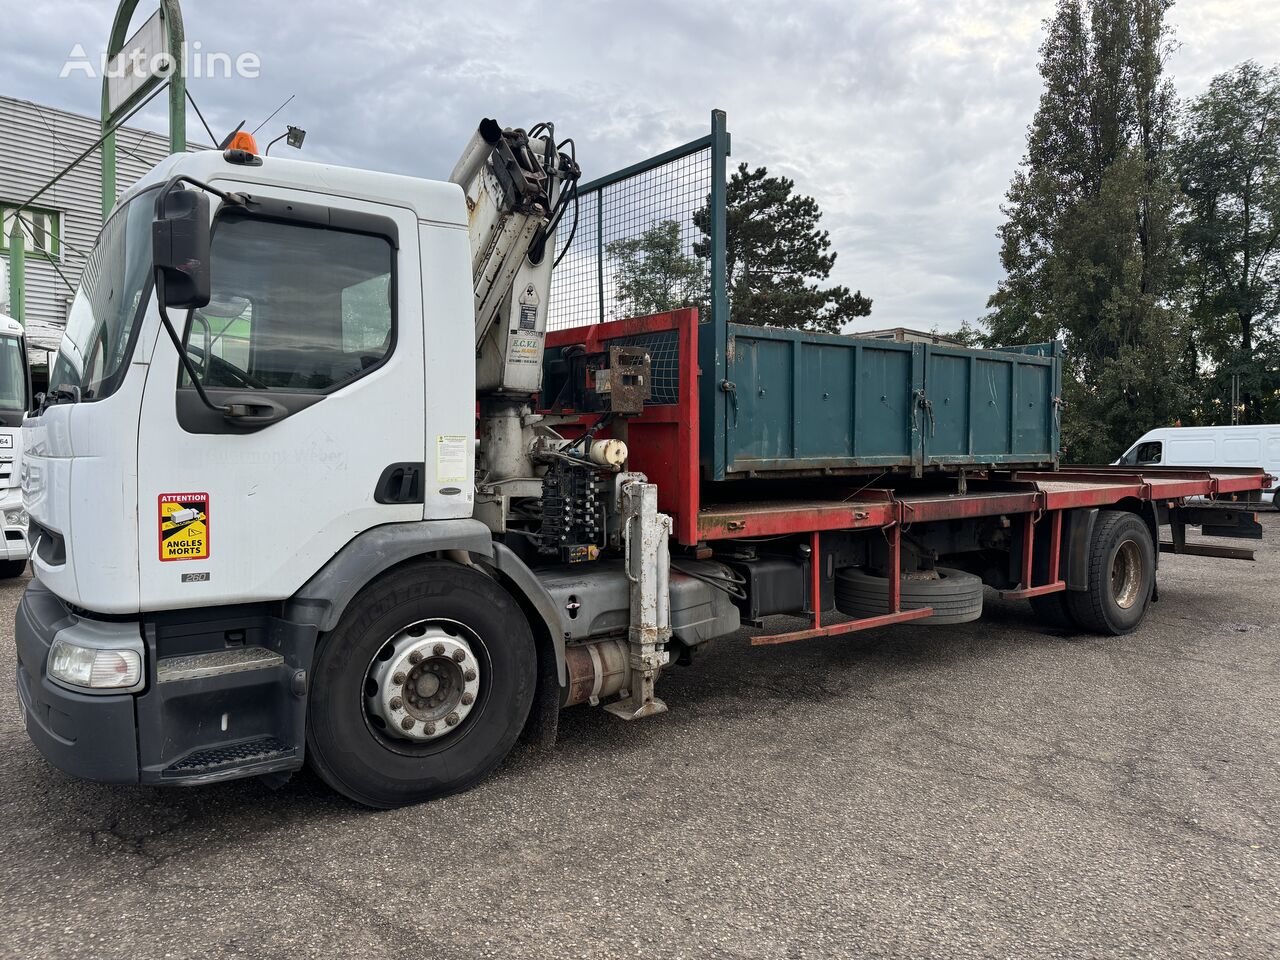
[(315, 483)]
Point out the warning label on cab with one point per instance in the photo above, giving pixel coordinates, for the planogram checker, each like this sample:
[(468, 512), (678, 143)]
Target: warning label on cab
[(184, 526)]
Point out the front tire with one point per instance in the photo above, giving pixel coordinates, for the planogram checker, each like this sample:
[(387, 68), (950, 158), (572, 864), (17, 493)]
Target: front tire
[(1122, 576), (350, 744), (12, 568)]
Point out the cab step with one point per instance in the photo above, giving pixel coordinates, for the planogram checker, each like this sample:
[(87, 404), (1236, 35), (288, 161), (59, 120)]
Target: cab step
[(268, 753)]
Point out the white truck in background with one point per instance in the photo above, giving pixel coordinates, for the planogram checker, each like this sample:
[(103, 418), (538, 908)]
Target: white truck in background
[(15, 401)]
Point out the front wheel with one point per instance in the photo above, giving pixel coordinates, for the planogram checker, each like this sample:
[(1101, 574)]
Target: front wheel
[(1122, 575), (12, 568), (422, 688)]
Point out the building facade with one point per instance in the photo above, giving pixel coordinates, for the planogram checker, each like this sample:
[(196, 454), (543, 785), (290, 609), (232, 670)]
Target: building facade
[(36, 143)]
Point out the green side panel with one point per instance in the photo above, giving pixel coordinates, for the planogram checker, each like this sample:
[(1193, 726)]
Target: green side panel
[(765, 379), (992, 383), (884, 384), (825, 427), (817, 402), (1032, 419), (947, 383)]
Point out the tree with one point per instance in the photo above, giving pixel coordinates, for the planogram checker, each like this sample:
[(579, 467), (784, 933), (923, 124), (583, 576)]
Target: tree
[(653, 275), (1229, 168), (1089, 241), (776, 257)]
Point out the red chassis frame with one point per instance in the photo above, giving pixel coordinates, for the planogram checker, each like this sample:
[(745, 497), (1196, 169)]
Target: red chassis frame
[(663, 444)]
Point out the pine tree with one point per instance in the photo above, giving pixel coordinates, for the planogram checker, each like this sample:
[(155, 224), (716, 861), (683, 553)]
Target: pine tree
[(776, 257)]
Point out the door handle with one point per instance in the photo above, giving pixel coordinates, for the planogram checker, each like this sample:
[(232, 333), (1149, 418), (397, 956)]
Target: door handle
[(252, 410), (400, 483)]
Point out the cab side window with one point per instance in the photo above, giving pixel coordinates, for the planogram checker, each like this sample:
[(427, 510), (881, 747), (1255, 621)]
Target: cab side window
[(1148, 453), (294, 308)]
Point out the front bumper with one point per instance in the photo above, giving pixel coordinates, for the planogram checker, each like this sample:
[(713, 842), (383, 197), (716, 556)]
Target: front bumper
[(14, 542), (93, 736), (14, 545), (224, 696)]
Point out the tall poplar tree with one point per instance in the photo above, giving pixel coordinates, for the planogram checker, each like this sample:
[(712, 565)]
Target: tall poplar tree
[(1088, 244)]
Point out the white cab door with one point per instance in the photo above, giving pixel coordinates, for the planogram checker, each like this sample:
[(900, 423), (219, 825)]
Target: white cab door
[(324, 323)]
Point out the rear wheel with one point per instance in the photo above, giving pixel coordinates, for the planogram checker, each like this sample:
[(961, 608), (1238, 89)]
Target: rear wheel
[(1122, 575), (422, 688)]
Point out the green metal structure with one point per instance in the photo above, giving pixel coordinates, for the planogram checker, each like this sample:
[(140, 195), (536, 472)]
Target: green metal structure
[(175, 35), (17, 272), (823, 403)]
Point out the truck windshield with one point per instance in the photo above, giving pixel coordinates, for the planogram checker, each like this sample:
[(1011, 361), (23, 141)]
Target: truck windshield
[(102, 324), (13, 375)]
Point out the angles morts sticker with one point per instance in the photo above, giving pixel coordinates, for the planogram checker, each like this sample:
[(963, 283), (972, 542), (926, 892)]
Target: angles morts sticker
[(184, 526)]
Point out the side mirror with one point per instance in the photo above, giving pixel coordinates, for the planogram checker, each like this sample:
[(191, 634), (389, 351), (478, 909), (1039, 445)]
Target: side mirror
[(180, 248)]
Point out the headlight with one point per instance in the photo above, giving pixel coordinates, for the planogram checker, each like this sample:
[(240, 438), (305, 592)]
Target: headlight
[(16, 518), (98, 668)]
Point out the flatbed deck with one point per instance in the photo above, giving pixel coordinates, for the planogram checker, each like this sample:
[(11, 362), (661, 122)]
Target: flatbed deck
[(1038, 499), (990, 495)]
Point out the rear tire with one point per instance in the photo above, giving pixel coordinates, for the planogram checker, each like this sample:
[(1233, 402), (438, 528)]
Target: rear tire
[(12, 568), (350, 746), (955, 596), (1122, 576)]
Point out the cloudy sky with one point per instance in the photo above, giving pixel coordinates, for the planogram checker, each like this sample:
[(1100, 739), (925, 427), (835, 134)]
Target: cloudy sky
[(904, 118)]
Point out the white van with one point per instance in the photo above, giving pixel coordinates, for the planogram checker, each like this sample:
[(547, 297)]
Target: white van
[(1244, 446)]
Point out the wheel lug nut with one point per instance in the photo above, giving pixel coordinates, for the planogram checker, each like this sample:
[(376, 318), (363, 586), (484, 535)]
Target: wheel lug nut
[(398, 679), (459, 656), (407, 723), (428, 728), (396, 703), (469, 676), (468, 699), (452, 719), (415, 657)]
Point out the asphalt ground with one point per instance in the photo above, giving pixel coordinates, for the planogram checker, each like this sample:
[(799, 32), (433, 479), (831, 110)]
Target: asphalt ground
[(996, 789)]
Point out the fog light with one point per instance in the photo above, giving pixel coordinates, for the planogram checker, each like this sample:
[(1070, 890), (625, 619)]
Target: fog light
[(16, 518), (97, 668)]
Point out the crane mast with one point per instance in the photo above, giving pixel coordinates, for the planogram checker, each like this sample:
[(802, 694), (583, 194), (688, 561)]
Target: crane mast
[(518, 185)]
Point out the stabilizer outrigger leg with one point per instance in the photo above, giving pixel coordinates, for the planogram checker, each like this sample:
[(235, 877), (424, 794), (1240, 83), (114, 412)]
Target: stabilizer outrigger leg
[(645, 534)]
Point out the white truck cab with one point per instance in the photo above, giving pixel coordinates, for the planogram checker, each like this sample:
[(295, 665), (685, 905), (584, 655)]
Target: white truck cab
[(260, 432), (345, 304), (1255, 445)]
